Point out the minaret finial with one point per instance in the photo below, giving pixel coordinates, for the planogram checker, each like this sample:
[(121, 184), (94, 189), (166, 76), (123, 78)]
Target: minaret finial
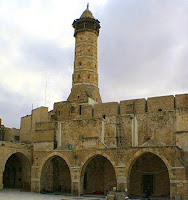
[(88, 6)]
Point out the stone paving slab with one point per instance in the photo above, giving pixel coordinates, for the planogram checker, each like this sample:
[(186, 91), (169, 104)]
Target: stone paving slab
[(12, 194), (20, 195)]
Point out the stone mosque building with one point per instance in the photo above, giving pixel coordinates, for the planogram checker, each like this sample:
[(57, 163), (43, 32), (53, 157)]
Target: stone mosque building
[(84, 146)]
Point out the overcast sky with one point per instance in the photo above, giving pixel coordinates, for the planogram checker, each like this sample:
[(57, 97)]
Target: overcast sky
[(142, 51)]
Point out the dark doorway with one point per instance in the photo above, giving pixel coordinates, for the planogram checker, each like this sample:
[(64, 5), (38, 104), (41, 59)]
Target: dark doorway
[(148, 183)]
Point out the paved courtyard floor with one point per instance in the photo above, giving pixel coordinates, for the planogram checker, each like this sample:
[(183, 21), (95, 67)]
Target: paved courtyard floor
[(9, 194), (19, 195), (12, 194)]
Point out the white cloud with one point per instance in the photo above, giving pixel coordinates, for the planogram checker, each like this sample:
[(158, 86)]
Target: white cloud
[(143, 49)]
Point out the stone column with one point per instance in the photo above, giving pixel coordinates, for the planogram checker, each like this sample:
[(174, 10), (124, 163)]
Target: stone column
[(75, 173), (35, 179), (178, 183), (1, 178), (1, 174), (121, 178), (178, 189)]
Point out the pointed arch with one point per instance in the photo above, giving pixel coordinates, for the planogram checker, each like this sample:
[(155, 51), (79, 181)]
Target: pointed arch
[(98, 175), (17, 171), (55, 175), (148, 174)]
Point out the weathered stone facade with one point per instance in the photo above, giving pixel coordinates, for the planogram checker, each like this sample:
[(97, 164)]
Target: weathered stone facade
[(86, 146)]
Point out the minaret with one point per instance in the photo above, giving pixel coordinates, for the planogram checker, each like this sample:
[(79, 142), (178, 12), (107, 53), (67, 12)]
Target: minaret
[(85, 78)]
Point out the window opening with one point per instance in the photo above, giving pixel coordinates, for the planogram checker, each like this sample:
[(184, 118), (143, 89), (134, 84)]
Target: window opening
[(80, 109), (92, 113), (72, 109), (17, 138), (55, 144)]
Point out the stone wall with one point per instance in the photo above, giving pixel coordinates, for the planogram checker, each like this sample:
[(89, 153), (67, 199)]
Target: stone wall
[(12, 134), (28, 124), (117, 131), (81, 132)]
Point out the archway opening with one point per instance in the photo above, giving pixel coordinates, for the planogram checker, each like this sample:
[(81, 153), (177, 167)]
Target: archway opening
[(55, 176), (98, 176), (17, 172), (149, 177)]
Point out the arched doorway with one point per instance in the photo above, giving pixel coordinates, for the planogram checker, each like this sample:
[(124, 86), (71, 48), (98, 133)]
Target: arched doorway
[(55, 176), (98, 176), (149, 176), (17, 172)]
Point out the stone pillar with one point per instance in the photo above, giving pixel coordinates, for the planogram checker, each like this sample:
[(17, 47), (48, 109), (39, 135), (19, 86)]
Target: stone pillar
[(178, 189), (178, 183), (1, 179), (121, 178), (186, 189), (173, 189), (1, 174), (75, 185), (35, 179)]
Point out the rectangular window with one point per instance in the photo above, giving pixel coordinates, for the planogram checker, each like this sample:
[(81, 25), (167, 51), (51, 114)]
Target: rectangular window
[(1, 133), (80, 110), (92, 113), (55, 144), (72, 109), (17, 138)]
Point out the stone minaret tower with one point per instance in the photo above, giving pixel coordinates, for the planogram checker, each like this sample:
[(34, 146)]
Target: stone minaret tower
[(85, 78)]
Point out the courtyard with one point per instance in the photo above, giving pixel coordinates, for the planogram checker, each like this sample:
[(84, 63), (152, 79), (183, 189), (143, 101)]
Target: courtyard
[(14, 194)]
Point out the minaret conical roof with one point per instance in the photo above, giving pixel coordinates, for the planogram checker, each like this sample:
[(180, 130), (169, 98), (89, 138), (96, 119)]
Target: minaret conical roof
[(87, 13)]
